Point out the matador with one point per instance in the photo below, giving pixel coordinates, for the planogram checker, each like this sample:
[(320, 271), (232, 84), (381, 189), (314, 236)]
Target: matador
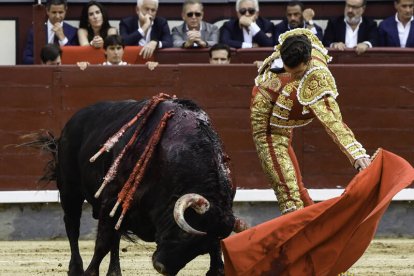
[(282, 101)]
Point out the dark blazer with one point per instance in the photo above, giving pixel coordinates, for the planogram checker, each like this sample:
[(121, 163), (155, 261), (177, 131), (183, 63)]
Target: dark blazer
[(336, 29), (283, 27), (232, 35), (388, 33), (128, 28), (71, 34)]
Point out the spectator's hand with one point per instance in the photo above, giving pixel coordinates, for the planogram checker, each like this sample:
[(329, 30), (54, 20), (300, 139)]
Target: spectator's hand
[(147, 19), (245, 21), (339, 46), (191, 38), (361, 48), (148, 50), (58, 30), (362, 163), (308, 14), (151, 64), (97, 42), (195, 37), (82, 65)]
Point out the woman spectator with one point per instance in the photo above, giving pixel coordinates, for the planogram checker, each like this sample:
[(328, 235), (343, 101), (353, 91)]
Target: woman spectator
[(94, 25)]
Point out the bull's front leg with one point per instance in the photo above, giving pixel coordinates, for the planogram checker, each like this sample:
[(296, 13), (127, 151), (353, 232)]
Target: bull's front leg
[(107, 239), (216, 262)]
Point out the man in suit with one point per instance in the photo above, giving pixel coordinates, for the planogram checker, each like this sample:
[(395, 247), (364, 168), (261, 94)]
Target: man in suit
[(352, 30), (398, 30), (146, 29), (249, 29), (297, 17), (58, 32), (194, 32)]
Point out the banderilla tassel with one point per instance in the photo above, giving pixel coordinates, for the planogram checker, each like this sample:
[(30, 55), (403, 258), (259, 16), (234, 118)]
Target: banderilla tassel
[(115, 138), (110, 175), (137, 174)]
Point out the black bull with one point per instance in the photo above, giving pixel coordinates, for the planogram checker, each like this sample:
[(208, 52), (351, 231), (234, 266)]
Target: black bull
[(188, 163)]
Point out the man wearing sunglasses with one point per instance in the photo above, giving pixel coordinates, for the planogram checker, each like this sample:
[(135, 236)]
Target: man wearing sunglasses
[(249, 29), (352, 30), (194, 32)]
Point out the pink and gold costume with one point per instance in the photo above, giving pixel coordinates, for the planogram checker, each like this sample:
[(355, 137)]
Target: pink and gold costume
[(279, 104)]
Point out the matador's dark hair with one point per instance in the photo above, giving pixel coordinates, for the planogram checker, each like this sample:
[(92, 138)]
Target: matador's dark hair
[(295, 50)]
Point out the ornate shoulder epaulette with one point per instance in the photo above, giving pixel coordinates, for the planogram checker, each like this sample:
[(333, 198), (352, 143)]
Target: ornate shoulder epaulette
[(315, 84)]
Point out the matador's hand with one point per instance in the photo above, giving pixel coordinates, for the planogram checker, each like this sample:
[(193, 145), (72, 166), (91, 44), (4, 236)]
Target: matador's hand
[(362, 163)]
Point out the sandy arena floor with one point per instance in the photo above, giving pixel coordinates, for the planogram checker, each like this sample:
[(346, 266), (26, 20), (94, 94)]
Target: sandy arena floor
[(383, 257)]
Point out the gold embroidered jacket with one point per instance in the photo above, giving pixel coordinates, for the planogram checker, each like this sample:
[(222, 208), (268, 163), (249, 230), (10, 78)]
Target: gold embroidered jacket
[(297, 102)]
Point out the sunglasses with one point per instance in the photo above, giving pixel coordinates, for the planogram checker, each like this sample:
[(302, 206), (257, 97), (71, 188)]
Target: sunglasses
[(244, 10), (191, 14)]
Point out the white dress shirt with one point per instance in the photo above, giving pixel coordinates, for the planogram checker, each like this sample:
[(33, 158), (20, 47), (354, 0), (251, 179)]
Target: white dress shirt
[(146, 38), (248, 34), (351, 36), (403, 31)]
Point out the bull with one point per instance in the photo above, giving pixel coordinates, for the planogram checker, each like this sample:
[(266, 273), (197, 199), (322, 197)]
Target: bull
[(182, 199)]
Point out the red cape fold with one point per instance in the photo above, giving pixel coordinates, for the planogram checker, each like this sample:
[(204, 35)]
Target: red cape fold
[(326, 238)]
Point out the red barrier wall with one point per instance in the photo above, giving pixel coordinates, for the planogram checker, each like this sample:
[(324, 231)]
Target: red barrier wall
[(376, 102)]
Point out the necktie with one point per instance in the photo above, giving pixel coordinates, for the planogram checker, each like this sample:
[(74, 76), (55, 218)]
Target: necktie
[(56, 40)]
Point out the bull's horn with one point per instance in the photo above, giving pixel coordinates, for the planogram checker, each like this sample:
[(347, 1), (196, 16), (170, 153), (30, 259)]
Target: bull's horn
[(195, 201), (240, 225)]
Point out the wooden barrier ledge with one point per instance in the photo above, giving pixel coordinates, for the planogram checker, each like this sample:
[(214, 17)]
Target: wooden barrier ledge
[(376, 102), (376, 55)]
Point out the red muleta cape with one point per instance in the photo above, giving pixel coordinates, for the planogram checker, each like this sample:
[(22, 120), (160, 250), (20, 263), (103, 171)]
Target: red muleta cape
[(326, 238)]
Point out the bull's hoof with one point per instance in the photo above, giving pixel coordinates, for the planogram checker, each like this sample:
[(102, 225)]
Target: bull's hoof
[(75, 266), (76, 272), (114, 272), (215, 272)]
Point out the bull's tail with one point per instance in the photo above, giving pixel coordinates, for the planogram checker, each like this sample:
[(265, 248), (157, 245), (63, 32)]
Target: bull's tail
[(46, 142)]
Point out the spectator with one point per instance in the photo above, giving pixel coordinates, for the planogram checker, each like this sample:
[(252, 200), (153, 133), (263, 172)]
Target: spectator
[(297, 17), (220, 54), (57, 31), (398, 30), (146, 29), (51, 54), (94, 25), (249, 29), (194, 33), (114, 52), (352, 30)]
